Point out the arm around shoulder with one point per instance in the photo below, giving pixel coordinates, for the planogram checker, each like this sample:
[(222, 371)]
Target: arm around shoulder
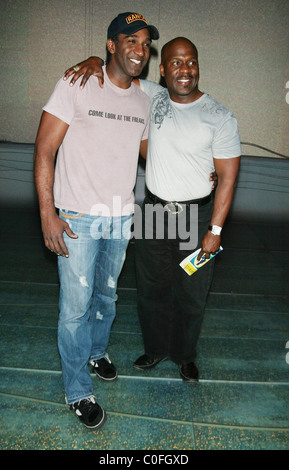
[(143, 149)]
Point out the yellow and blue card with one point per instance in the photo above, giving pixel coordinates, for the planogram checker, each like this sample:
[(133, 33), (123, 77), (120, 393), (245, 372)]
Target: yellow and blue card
[(191, 264)]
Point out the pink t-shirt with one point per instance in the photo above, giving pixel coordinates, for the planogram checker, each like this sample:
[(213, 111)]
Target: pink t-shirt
[(97, 161)]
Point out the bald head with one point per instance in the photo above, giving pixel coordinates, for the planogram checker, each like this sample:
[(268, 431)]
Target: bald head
[(170, 47), (180, 68)]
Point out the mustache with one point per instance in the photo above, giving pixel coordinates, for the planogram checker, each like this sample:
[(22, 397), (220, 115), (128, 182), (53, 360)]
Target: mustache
[(185, 76)]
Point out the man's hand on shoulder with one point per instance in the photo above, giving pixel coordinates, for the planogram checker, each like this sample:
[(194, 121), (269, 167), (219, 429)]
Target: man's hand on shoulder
[(91, 66)]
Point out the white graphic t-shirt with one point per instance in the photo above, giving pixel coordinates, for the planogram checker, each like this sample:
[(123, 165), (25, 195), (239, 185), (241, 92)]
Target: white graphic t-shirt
[(184, 139)]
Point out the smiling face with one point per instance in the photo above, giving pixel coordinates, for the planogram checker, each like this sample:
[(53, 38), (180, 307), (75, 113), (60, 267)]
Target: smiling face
[(180, 68), (129, 55)]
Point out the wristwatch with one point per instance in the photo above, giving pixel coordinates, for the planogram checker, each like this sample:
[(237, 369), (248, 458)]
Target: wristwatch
[(215, 229)]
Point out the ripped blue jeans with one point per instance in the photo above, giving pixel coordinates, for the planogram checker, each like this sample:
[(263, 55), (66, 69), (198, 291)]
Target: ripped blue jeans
[(88, 284)]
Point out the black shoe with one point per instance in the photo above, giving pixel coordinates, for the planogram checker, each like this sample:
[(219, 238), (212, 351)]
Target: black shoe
[(189, 372), (146, 362), (104, 368), (89, 412)]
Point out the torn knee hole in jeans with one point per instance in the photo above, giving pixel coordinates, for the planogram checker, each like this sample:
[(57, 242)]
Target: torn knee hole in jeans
[(111, 282), (99, 316), (83, 281)]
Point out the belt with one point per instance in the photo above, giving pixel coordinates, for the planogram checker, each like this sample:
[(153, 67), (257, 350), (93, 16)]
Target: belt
[(174, 206)]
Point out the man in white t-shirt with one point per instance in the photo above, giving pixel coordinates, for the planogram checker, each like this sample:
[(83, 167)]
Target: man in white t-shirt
[(98, 137), (190, 135)]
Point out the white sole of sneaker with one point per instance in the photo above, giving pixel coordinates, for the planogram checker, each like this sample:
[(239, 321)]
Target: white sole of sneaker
[(98, 425), (113, 379)]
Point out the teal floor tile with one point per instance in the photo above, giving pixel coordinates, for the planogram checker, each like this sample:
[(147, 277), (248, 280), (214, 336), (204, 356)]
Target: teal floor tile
[(42, 385), (221, 301), (229, 438), (153, 398), (237, 357), (29, 315), (29, 348), (241, 400), (244, 325), (27, 293), (242, 359), (241, 404), (126, 319), (31, 425)]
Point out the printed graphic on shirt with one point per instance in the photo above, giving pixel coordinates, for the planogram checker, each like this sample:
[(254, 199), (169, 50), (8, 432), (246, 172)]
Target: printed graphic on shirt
[(160, 108), (212, 107), (117, 117)]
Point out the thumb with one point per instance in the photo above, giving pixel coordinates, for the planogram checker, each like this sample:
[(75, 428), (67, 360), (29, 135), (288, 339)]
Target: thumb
[(69, 232), (100, 79)]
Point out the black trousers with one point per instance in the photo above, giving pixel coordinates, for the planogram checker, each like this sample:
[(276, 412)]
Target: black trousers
[(171, 303)]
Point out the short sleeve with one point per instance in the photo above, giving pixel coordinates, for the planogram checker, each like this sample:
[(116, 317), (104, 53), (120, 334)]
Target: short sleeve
[(61, 103), (226, 142), (150, 88)]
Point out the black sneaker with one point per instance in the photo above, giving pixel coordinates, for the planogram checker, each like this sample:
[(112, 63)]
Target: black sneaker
[(189, 372), (145, 362), (104, 368), (89, 412)]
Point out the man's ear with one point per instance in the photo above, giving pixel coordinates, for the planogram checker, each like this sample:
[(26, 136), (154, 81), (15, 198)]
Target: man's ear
[(162, 70), (110, 46)]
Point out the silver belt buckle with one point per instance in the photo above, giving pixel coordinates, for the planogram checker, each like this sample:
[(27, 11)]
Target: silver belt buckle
[(174, 207)]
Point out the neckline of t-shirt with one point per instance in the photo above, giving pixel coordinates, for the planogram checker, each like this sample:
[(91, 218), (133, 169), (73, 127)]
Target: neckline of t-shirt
[(187, 105), (117, 89)]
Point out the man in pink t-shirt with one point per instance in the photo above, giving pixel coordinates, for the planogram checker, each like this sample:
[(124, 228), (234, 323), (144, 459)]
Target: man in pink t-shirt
[(98, 136)]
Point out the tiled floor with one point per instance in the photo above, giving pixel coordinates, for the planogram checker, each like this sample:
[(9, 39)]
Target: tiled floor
[(242, 399)]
